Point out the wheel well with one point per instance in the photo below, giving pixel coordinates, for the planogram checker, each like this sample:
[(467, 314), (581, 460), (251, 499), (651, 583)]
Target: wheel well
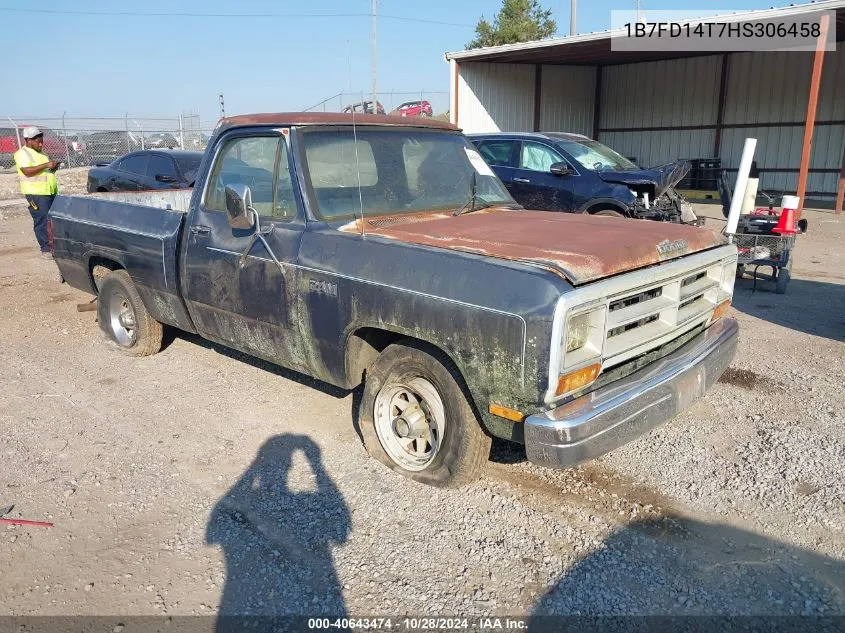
[(99, 267), (606, 206), (102, 190), (364, 346)]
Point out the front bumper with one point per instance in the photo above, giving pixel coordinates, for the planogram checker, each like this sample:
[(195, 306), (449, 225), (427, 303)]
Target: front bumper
[(623, 410)]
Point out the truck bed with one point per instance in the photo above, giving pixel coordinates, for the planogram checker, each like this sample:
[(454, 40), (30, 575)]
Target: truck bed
[(140, 232)]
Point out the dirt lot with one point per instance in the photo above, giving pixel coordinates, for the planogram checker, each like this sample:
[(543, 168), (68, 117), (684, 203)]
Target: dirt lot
[(199, 481)]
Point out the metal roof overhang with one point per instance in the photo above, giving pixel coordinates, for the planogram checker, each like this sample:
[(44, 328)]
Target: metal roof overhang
[(594, 49)]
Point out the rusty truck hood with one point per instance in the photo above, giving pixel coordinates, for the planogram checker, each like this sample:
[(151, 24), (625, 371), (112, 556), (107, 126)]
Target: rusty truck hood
[(579, 247)]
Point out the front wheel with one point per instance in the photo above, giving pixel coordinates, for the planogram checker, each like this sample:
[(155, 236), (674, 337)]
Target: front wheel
[(416, 419), (124, 318)]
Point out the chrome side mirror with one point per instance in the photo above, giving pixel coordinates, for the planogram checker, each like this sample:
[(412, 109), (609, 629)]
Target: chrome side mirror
[(239, 206)]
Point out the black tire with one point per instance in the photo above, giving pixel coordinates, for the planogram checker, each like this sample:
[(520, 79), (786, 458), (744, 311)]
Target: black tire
[(782, 281), (464, 447), (609, 213), (118, 298)]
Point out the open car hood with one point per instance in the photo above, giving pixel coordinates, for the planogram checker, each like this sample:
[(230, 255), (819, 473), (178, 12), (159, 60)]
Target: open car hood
[(579, 247), (661, 177)]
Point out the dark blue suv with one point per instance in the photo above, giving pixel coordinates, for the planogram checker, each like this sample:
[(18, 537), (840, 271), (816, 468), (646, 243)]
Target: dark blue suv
[(570, 172)]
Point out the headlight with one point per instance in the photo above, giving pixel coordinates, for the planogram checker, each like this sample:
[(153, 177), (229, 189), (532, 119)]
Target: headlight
[(578, 332), (583, 337)]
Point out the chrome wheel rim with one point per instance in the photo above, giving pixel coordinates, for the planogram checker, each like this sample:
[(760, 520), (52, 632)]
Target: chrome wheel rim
[(410, 422), (122, 320)]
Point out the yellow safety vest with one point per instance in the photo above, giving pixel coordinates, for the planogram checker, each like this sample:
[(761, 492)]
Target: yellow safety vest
[(44, 184)]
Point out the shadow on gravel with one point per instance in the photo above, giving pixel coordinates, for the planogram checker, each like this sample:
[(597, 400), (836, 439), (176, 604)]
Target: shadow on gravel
[(171, 334), (680, 567), (277, 539), (813, 307), (336, 392), (505, 452)]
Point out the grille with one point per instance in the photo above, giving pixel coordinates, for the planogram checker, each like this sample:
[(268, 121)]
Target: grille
[(640, 321)]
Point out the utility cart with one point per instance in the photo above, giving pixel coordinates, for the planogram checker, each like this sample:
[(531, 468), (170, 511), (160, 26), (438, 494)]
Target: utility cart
[(758, 242)]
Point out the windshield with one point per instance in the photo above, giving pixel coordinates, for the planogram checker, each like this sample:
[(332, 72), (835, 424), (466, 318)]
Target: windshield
[(593, 155), (189, 165), (399, 171)]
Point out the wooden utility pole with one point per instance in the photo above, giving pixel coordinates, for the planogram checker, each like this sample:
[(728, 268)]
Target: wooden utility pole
[(812, 103)]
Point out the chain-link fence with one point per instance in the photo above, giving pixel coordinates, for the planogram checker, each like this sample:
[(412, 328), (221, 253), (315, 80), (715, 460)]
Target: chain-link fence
[(82, 141), (420, 103)]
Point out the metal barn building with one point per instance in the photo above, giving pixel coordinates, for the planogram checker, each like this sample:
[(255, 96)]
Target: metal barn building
[(661, 106)]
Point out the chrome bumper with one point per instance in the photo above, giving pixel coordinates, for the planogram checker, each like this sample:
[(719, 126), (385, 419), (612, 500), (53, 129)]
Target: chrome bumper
[(623, 410)]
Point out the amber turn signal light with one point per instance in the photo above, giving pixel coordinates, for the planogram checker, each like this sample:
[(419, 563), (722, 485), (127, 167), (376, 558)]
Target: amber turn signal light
[(506, 412), (577, 379), (720, 310)]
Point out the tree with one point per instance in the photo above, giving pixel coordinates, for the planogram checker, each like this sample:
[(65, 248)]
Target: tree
[(517, 21)]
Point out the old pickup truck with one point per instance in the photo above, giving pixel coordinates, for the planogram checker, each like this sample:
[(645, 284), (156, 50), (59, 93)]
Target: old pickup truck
[(384, 251)]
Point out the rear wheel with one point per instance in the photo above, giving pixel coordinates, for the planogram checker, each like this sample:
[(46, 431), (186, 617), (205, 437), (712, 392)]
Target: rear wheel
[(782, 281), (416, 419), (124, 318)]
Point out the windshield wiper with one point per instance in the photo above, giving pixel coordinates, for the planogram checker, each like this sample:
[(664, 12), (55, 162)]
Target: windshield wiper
[(475, 202)]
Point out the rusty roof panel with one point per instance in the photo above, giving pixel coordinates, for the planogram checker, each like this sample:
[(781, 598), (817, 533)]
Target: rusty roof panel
[(331, 118), (582, 248)]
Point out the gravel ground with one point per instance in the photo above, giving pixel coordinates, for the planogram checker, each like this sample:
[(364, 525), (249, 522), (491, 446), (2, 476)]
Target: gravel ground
[(199, 481)]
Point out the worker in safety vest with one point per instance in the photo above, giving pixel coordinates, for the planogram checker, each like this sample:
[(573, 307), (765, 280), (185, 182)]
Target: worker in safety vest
[(37, 175)]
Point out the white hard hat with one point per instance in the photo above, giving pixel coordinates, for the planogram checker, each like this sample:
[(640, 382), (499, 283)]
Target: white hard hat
[(32, 132)]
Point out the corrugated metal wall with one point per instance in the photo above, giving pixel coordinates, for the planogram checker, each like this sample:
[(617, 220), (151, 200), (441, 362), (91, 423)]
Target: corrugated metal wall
[(567, 96), (500, 98), (657, 95), (761, 88), (495, 97), (768, 87)]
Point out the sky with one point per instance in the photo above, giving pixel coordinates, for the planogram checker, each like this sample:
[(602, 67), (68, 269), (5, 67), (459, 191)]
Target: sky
[(84, 64)]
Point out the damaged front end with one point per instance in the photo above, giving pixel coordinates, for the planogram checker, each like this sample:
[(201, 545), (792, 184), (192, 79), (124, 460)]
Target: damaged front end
[(670, 206), (654, 195)]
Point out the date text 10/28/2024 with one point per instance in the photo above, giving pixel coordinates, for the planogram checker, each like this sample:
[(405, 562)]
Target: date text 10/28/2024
[(418, 624)]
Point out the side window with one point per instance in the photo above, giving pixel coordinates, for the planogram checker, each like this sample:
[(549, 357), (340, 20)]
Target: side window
[(497, 153), (161, 166), (538, 157), (247, 161), (285, 202), (135, 164)]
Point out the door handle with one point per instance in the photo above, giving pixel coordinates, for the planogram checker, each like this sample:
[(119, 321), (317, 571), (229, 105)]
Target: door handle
[(198, 229), (521, 180)]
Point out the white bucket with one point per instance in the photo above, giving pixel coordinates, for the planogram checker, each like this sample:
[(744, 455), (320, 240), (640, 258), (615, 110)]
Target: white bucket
[(789, 202)]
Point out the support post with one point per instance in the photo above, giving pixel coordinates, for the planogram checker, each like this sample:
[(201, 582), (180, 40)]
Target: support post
[(572, 21), (67, 145), (812, 103), (720, 112), (181, 133), (538, 89), (840, 193), (375, 98), (597, 96), (456, 76)]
